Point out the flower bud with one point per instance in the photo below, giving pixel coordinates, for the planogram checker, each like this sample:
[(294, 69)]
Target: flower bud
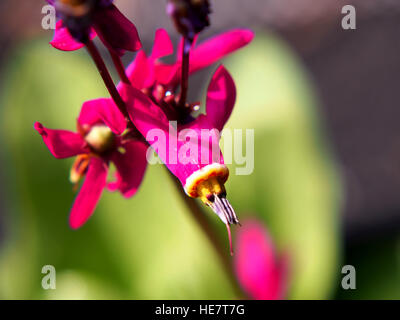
[(77, 15), (190, 16)]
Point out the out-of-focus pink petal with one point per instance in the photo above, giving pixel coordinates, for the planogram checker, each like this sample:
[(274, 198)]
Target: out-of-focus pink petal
[(167, 74), (62, 39), (89, 194), (221, 97), (141, 72), (62, 143), (204, 55), (131, 166), (259, 272), (116, 31), (102, 111), (210, 51), (138, 71), (162, 45)]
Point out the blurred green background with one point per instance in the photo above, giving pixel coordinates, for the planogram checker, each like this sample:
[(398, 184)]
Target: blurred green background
[(149, 247)]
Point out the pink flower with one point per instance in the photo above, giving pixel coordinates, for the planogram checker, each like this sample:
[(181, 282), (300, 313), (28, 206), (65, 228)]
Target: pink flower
[(204, 173), (102, 137), (262, 275), (152, 105), (84, 20)]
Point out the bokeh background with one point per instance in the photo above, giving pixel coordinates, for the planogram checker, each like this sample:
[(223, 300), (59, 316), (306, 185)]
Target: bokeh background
[(324, 105)]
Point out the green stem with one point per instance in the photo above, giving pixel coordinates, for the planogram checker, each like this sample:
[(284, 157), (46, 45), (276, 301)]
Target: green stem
[(211, 235)]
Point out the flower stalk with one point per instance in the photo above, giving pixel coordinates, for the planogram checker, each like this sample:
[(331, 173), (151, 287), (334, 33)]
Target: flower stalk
[(185, 72), (211, 235), (108, 81), (119, 66)]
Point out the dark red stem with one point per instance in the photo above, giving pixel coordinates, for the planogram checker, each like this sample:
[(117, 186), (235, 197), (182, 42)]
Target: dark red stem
[(185, 72), (119, 66), (108, 81)]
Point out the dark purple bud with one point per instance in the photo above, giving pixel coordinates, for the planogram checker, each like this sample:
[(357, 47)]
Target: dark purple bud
[(190, 16), (77, 15)]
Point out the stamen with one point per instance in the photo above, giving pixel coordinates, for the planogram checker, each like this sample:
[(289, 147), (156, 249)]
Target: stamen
[(225, 212), (228, 228)]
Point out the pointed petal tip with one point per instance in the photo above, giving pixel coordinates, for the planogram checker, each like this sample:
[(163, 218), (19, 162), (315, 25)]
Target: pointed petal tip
[(162, 44), (74, 225), (248, 35), (39, 128)]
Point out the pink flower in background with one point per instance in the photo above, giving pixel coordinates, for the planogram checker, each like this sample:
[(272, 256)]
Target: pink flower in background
[(83, 20), (261, 273), (102, 138)]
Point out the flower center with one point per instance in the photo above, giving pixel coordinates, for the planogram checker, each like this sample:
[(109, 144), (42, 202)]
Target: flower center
[(100, 138)]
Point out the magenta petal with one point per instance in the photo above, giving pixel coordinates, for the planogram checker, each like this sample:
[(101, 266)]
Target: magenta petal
[(167, 74), (131, 166), (205, 54), (62, 39), (103, 111), (162, 45), (221, 96), (218, 47), (258, 270), (144, 113), (89, 194), (62, 143), (116, 31), (138, 71)]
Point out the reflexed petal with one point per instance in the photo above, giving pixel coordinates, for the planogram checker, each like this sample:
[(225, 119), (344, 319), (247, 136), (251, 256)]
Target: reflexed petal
[(102, 111), (138, 71), (168, 74), (258, 270), (221, 96), (204, 55), (62, 39), (116, 31), (218, 47), (62, 143), (89, 194), (162, 45), (131, 166)]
